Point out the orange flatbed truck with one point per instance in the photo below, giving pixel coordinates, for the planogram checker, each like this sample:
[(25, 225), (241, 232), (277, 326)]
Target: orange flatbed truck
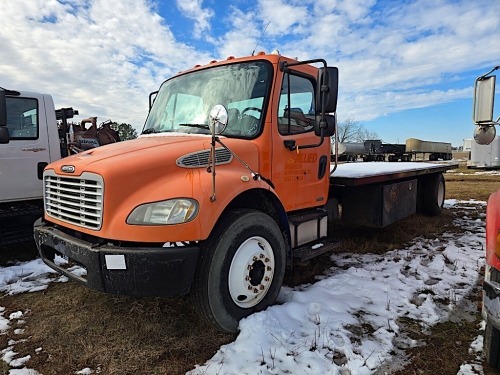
[(229, 182), (491, 286), (485, 133)]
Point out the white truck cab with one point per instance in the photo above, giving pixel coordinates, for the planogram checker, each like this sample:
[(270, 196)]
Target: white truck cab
[(33, 143), (30, 138)]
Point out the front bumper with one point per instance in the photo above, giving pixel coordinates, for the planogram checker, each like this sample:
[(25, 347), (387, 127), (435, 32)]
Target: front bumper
[(135, 271)]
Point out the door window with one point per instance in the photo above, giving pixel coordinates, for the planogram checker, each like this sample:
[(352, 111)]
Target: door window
[(296, 111), (22, 118)]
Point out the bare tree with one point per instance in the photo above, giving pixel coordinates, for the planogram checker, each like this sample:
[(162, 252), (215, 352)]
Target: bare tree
[(351, 130), (365, 134)]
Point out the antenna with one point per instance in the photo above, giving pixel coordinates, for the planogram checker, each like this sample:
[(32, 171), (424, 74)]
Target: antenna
[(260, 38)]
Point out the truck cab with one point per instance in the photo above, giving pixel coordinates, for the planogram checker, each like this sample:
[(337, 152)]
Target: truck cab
[(230, 173), (485, 134), (32, 143), (30, 139)]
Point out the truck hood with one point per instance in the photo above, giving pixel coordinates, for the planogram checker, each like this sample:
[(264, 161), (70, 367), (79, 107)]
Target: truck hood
[(159, 151)]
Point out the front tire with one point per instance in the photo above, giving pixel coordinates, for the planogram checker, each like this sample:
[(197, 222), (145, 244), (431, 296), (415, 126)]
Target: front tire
[(241, 268), (492, 346)]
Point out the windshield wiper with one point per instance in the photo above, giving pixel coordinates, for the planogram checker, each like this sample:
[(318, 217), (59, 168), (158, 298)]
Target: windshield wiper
[(200, 126), (150, 131)]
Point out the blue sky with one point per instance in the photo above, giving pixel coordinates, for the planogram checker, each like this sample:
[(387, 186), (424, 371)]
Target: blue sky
[(407, 68)]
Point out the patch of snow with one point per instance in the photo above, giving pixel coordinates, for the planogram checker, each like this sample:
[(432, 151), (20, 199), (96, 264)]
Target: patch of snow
[(365, 169), (352, 312), (85, 371), (24, 277)]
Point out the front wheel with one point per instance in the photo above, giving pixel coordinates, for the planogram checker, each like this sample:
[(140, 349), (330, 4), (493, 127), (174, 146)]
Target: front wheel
[(241, 268), (492, 346)]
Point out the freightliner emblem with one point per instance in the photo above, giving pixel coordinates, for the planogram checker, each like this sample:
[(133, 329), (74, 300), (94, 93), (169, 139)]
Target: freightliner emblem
[(68, 168)]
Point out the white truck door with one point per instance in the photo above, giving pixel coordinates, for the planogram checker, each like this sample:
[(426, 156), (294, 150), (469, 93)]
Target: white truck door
[(27, 150)]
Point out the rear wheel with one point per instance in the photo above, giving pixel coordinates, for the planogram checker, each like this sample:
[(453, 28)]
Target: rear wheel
[(492, 346), (431, 194), (241, 268)]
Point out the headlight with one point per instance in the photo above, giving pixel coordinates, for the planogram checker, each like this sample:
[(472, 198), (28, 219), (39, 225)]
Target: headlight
[(172, 211)]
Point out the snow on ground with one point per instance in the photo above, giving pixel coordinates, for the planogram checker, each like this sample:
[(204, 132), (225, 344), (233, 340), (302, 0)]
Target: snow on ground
[(478, 173), (345, 323)]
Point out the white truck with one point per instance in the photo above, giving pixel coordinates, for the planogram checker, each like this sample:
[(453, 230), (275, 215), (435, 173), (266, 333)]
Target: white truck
[(30, 139), (485, 156)]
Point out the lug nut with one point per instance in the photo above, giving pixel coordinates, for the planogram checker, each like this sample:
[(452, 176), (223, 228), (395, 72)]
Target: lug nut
[(266, 260), (249, 267), (269, 268), (261, 287), (247, 278), (256, 290), (249, 287), (255, 259), (261, 256), (266, 278)]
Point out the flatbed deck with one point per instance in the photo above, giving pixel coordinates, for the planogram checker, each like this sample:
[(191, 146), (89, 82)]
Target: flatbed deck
[(363, 173)]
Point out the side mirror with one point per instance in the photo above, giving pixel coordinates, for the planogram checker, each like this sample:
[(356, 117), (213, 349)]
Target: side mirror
[(329, 125), (484, 96), (327, 88), (3, 108), (4, 135)]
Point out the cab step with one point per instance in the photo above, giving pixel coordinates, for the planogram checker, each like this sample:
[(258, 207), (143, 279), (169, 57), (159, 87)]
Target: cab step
[(313, 249)]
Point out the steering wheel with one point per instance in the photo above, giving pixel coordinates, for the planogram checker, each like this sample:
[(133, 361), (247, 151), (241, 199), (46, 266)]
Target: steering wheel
[(251, 109)]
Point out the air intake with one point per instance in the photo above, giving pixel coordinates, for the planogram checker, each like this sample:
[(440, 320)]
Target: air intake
[(200, 159)]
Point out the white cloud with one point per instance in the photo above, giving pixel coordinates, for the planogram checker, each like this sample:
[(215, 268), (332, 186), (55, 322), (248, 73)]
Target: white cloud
[(243, 35), (102, 57), (193, 9), (105, 56), (282, 17)]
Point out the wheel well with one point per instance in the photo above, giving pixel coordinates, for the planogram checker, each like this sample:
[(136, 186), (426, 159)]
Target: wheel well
[(265, 201)]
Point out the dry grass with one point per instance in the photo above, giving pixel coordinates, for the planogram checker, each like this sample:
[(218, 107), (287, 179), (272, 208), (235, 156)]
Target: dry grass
[(79, 328), (466, 184)]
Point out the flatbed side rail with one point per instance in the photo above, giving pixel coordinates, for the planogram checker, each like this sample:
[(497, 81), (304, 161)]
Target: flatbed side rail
[(358, 174)]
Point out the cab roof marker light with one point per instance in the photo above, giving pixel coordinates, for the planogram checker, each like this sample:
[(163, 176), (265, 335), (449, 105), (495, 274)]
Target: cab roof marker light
[(230, 58), (213, 61), (261, 53)]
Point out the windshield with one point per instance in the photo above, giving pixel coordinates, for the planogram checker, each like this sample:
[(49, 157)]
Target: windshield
[(184, 102)]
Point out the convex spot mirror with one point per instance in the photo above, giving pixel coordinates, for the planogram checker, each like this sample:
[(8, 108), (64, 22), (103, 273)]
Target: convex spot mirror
[(484, 134), (217, 119)]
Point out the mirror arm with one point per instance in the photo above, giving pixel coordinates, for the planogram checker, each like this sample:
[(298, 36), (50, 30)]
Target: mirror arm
[(487, 74)]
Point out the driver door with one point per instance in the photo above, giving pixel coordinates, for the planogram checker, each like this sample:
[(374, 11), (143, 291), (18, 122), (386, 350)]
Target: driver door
[(300, 176)]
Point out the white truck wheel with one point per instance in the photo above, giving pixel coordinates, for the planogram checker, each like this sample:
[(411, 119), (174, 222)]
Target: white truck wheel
[(240, 269)]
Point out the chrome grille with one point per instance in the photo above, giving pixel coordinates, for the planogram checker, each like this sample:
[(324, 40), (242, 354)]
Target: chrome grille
[(74, 200), (200, 158)]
